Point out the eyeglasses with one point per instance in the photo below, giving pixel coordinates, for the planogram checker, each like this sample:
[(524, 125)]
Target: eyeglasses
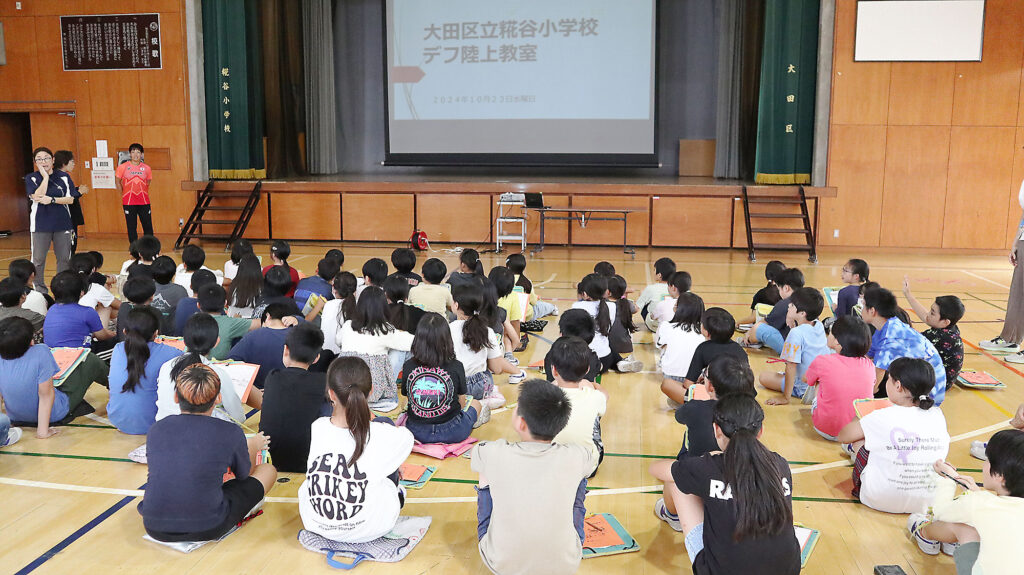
[(44, 158)]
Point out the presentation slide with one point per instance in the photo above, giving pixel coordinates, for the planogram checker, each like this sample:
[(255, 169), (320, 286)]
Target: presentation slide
[(524, 77)]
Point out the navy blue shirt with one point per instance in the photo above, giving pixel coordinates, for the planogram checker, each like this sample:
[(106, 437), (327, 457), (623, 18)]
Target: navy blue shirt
[(51, 217), (186, 307), (777, 317), (292, 400), (312, 285), (264, 347), (187, 456)]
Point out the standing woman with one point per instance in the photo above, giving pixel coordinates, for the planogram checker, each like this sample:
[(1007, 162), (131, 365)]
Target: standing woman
[(133, 178), (52, 194), (64, 161), (1009, 339)]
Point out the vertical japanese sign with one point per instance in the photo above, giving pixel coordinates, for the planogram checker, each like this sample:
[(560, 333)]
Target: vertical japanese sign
[(111, 42)]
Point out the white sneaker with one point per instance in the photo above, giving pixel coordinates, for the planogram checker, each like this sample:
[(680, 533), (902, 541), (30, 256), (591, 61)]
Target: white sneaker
[(511, 358), (494, 400), (661, 512), (483, 417), (518, 378), (914, 524), (630, 365), (13, 435), (978, 450), (999, 344), (556, 313), (1014, 357), (743, 343), (848, 450), (949, 548)]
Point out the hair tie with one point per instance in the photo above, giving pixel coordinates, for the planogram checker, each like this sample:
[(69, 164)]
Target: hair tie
[(400, 301), (922, 398), (476, 312)]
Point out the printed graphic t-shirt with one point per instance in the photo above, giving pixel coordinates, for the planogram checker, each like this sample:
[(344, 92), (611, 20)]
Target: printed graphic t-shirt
[(134, 183), (433, 392)]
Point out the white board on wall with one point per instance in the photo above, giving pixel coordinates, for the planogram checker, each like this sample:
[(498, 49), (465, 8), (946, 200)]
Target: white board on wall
[(919, 30)]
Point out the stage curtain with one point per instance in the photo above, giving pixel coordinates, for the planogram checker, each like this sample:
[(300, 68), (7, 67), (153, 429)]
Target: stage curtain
[(727, 120), (284, 88), (785, 133), (321, 110), (234, 89)]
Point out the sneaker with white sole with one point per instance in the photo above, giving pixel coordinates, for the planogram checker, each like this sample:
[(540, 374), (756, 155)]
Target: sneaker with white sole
[(978, 450), (483, 417), (848, 450), (511, 358), (630, 365), (999, 344), (517, 378), (661, 512), (494, 399), (949, 548), (13, 435), (914, 524), (1014, 357), (743, 343)]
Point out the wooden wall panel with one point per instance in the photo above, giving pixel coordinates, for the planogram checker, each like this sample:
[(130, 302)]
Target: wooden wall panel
[(162, 92), (914, 192), (860, 90), (53, 130), (72, 85), (114, 98), (704, 222), (610, 233), (14, 133), (455, 217), (392, 221), (980, 169), (857, 168), (19, 79), (306, 216), (1013, 215), (987, 92), (169, 202), (921, 94)]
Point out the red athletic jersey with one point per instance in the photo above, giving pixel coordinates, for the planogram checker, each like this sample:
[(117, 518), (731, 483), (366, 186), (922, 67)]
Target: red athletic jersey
[(134, 183)]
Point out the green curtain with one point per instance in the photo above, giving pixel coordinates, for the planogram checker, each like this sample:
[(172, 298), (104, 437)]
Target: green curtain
[(785, 126), (234, 89)]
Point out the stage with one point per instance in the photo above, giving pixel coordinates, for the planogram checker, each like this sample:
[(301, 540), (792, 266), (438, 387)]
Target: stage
[(671, 211)]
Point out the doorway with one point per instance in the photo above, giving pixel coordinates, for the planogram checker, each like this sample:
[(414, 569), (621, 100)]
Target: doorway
[(16, 148)]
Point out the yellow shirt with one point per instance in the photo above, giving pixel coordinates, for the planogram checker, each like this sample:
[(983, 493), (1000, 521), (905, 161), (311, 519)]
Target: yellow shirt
[(430, 297), (512, 305), (997, 519)]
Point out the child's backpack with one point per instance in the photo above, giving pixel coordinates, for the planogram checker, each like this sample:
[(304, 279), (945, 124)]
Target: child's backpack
[(419, 241)]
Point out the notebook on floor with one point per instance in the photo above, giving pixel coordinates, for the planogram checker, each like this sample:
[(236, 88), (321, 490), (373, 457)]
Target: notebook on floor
[(604, 535), (415, 476), (807, 538), (978, 380), (865, 406)]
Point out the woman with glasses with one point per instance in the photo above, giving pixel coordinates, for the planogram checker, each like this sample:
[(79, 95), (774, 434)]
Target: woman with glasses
[(52, 194)]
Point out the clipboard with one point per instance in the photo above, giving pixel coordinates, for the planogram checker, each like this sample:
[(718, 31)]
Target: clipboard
[(604, 535), (243, 375), (67, 358)]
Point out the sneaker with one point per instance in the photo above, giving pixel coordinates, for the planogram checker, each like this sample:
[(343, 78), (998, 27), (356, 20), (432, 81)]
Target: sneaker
[(484, 416), (13, 435), (494, 399), (661, 512), (914, 524), (999, 344), (978, 450), (523, 342), (849, 452), (743, 343), (517, 378), (949, 548), (630, 365), (511, 358), (1014, 357)]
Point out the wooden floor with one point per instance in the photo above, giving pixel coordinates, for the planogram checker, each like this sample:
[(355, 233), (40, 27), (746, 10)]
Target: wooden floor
[(69, 503)]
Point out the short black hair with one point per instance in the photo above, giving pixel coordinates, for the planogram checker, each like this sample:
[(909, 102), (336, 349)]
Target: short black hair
[(61, 158), (327, 268), (681, 281), (809, 301), (853, 335), (16, 337), (67, 287), (193, 257), (577, 323), (917, 376), (136, 146), (791, 277), (82, 263), (771, 271), (544, 407), (11, 291), (277, 281), (336, 255), (404, 259), (162, 269), (139, 289), (201, 333), (719, 324), (22, 269), (881, 300), (516, 263), (304, 342), (202, 278), (149, 247), (950, 308), (859, 268), (211, 298), (1005, 452), (503, 279), (666, 267), (376, 270), (605, 269), (570, 356), (730, 374), (275, 310), (98, 256), (434, 270)]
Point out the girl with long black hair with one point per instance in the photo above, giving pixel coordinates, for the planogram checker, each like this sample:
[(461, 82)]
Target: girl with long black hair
[(470, 267), (594, 288), (246, 287), (339, 309), (369, 335)]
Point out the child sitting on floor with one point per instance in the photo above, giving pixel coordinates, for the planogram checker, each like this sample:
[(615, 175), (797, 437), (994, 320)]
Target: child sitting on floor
[(841, 377), (576, 323), (241, 248), (895, 446), (605, 269), (356, 455), (594, 288), (12, 298), (193, 259), (855, 274), (983, 524), (678, 283), (620, 337), (678, 339), (769, 294), (148, 249), (654, 293), (186, 496), (435, 383), (318, 283), (25, 271), (539, 308), (279, 252), (430, 294), (96, 295), (774, 329), (477, 347), (167, 294), (570, 359), (469, 266), (717, 327), (370, 335), (526, 489), (188, 306), (941, 319), (68, 323), (404, 260), (139, 291), (806, 341), (339, 309)]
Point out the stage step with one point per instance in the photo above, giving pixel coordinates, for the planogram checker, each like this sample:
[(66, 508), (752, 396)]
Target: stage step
[(190, 231), (222, 208), (229, 194), (774, 215), (210, 236), (782, 198), (201, 222), (792, 247), (778, 230), (773, 200)]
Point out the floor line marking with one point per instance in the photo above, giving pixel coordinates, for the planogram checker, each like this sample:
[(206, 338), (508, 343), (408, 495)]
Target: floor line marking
[(977, 432), (985, 279), (546, 282), (99, 419)]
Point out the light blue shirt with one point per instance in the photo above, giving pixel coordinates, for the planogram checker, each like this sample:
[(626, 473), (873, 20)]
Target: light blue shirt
[(803, 344), (134, 412)]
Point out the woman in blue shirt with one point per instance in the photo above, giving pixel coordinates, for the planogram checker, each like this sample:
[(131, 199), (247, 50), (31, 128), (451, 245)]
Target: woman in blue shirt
[(134, 369)]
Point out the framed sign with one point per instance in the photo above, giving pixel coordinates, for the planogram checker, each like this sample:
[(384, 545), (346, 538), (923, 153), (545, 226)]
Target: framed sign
[(111, 42)]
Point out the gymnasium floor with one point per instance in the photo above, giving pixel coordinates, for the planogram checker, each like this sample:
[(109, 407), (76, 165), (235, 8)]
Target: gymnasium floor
[(69, 501)]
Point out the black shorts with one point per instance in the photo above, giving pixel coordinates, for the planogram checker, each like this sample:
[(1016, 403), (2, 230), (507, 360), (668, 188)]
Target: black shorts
[(241, 494)]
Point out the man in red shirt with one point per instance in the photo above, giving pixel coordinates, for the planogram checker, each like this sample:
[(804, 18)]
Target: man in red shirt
[(133, 178)]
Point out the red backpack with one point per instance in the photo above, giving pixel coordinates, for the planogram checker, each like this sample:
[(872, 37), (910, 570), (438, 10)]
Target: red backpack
[(419, 241)]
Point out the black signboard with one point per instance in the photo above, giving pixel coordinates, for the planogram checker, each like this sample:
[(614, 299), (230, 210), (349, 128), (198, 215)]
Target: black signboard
[(111, 42)]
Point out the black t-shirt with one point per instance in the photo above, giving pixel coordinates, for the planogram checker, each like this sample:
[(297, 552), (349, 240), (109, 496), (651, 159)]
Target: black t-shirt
[(414, 315), (775, 555), (433, 392), (777, 317), (769, 294), (293, 399), (413, 278), (595, 367), (460, 278), (709, 350), (698, 417), (264, 301)]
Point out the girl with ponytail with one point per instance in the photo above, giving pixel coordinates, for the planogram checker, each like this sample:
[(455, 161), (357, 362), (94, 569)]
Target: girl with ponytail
[(400, 314), (134, 368), (339, 309), (735, 506), (364, 455), (477, 346), (470, 267), (246, 287), (893, 448), (369, 335), (594, 288), (279, 253)]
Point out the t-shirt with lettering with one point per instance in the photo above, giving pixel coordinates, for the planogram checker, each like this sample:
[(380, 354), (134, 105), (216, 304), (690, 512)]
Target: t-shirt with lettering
[(165, 301), (134, 183), (433, 392), (19, 386), (840, 380), (902, 443), (352, 501), (804, 343), (584, 426), (70, 325), (777, 554)]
